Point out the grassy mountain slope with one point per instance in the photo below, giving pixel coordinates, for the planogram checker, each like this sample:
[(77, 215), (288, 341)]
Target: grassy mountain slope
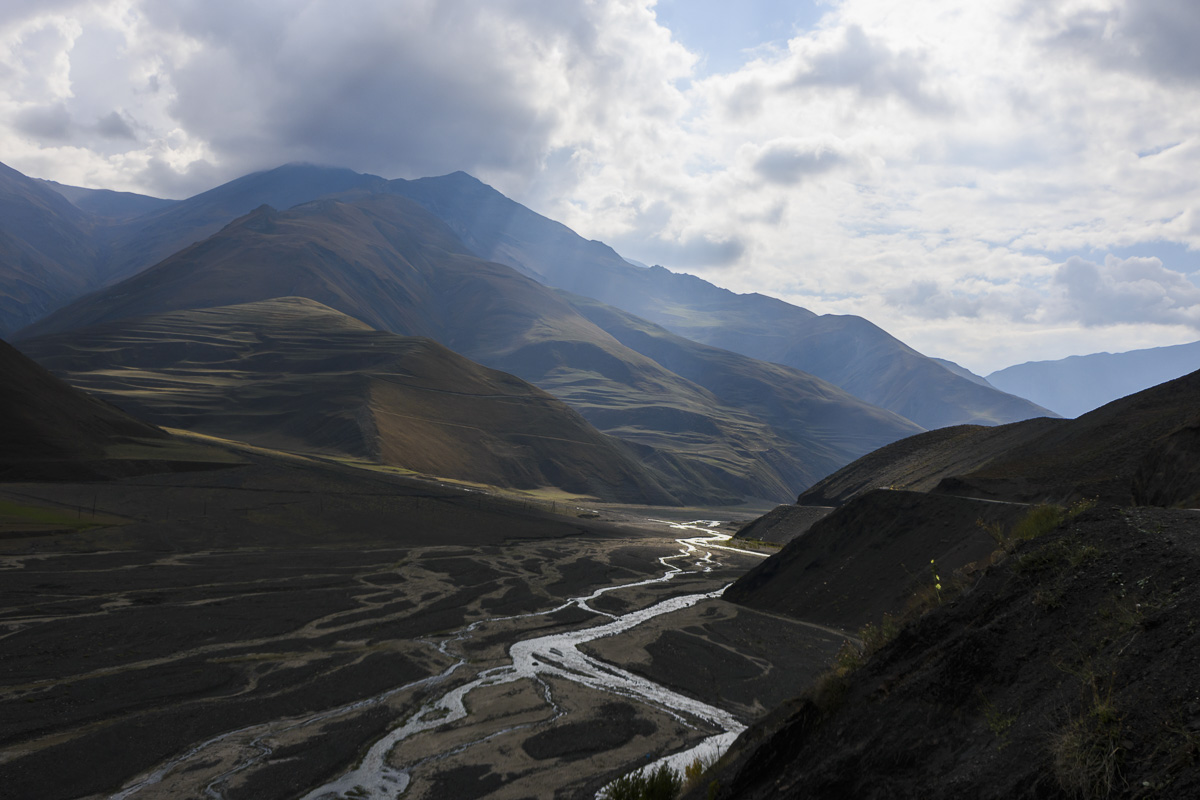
[(1055, 664), (814, 414), (868, 557), (920, 462), (1101, 455), (51, 431), (1140, 449), (144, 240), (389, 263), (844, 350), (293, 374)]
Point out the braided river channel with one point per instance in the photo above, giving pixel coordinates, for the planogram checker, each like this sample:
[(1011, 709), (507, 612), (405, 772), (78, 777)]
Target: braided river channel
[(548, 718)]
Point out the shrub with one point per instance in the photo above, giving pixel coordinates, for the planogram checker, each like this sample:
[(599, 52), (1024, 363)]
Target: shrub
[(663, 783), (874, 637), (1038, 522), (1087, 752)]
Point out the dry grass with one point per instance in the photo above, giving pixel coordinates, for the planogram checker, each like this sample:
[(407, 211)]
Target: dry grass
[(1087, 752)]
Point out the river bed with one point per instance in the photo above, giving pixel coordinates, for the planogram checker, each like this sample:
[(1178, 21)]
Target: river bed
[(558, 655)]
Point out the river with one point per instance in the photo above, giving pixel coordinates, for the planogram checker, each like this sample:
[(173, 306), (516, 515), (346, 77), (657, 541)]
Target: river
[(533, 659)]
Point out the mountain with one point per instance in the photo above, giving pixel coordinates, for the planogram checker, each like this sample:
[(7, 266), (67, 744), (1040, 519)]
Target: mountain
[(845, 350), (861, 560), (1065, 669), (52, 430), (963, 372), (143, 241), (868, 557), (48, 254), (919, 463), (292, 374), (1075, 385), (387, 262), (1106, 454), (813, 413), (107, 203), (1041, 652)]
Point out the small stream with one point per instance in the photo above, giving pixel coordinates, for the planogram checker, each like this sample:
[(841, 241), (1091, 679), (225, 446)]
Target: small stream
[(555, 655)]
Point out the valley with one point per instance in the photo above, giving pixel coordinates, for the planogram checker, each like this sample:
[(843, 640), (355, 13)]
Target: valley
[(320, 485), (252, 632)]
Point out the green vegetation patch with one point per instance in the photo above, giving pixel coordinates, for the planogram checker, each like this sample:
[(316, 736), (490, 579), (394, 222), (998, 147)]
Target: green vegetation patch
[(21, 517)]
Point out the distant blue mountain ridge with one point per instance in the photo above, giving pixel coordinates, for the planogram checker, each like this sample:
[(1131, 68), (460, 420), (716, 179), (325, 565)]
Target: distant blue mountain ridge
[(1076, 385)]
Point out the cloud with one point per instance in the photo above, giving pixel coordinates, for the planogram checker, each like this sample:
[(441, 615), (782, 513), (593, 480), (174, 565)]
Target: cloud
[(400, 89), (425, 89), (114, 125), (697, 251), (1138, 290), (911, 163), (47, 123), (929, 300), (1157, 38), (871, 68), (788, 162)]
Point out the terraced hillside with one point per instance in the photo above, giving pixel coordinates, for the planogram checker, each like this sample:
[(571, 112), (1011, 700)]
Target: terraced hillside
[(292, 374)]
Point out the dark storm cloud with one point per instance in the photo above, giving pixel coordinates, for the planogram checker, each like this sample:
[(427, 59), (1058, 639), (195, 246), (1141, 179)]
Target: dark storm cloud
[(873, 69), (1157, 38), (788, 164), (417, 88)]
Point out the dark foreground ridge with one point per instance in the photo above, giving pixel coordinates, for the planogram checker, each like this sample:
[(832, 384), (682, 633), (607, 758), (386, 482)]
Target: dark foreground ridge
[(1139, 449), (1011, 648), (1071, 669)]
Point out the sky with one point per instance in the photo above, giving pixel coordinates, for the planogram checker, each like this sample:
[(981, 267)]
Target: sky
[(992, 182)]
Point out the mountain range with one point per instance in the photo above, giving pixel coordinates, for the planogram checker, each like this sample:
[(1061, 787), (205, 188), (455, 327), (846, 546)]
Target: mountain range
[(290, 374), (438, 327), (848, 351), (1077, 384), (732, 395)]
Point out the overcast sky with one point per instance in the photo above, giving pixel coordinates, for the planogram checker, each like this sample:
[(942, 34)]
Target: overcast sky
[(993, 182)]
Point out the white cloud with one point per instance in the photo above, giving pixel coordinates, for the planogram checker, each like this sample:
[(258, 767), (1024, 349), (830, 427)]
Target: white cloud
[(790, 161), (1126, 290), (857, 61)]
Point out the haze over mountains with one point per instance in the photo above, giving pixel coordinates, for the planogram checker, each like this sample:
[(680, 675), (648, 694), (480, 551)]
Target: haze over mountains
[(739, 395), (848, 351)]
